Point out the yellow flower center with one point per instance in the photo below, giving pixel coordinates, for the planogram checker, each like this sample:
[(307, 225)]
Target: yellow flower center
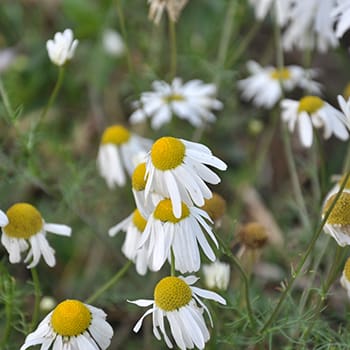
[(167, 153), (115, 134), (24, 221), (164, 211), (253, 235), (70, 318), (347, 185), (346, 92), (171, 293), (138, 177), (340, 214), (310, 104), (281, 74), (139, 221), (173, 98), (215, 207), (347, 269)]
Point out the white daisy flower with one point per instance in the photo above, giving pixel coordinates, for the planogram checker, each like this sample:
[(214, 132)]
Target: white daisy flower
[(278, 7), (113, 43), (118, 151), (61, 49), (345, 278), (217, 275), (310, 26), (345, 107), (176, 169), (173, 8), (266, 85), (309, 112), (341, 15), (24, 228), (72, 325), (335, 189), (192, 101), (179, 302), (338, 222), (165, 233), (134, 226)]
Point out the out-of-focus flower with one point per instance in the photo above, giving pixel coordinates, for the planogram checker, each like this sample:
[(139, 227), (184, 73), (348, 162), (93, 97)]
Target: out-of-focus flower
[(113, 43), (47, 303), (277, 7), (191, 101), (178, 301), (173, 8), (265, 86), (341, 15), (217, 275), (345, 278), (134, 226), (177, 169), (183, 236), (72, 325), (117, 152), (310, 26), (312, 111), (253, 235), (215, 207), (61, 49), (23, 224)]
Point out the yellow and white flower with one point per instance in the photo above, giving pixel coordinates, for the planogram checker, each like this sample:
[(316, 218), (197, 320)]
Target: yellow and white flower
[(341, 15), (266, 85), (61, 49), (279, 8), (345, 278), (176, 169), (191, 101), (119, 153), (24, 228), (179, 302), (217, 275), (72, 325), (312, 111), (134, 226), (183, 236), (173, 8)]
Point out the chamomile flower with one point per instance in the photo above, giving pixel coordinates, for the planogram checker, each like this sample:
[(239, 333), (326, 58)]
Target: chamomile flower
[(113, 43), (72, 325), (173, 8), (117, 152), (265, 86), (61, 49), (179, 302), (310, 26), (215, 207), (24, 228), (217, 275), (133, 225), (341, 14), (278, 7), (191, 101), (177, 169), (345, 107), (338, 222), (309, 112), (345, 278)]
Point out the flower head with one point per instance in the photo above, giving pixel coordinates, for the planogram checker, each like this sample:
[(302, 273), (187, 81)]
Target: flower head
[(217, 275), (173, 7), (62, 48), (345, 278), (253, 235), (312, 111), (192, 101), (113, 43), (215, 207), (178, 301), (24, 228), (281, 7), (117, 153), (72, 325)]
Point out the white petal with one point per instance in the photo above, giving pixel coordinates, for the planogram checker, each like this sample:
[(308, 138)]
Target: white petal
[(58, 229)]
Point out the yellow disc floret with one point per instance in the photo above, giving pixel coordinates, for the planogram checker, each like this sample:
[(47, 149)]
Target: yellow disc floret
[(253, 235), (173, 98), (347, 269), (310, 104), (138, 177), (70, 318), (167, 153), (164, 211), (340, 214), (281, 74), (138, 220), (115, 134), (24, 221), (172, 293), (215, 207)]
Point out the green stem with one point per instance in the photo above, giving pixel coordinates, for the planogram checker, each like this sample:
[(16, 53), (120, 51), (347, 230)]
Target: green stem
[(173, 53), (311, 245), (172, 262), (37, 295), (109, 283), (6, 101)]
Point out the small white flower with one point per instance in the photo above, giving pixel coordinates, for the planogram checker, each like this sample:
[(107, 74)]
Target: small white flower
[(165, 233), (117, 153), (266, 84), (62, 48), (173, 7), (72, 325), (113, 43), (217, 275), (178, 301), (345, 278), (279, 7), (341, 15), (134, 226), (23, 224), (309, 112), (192, 101), (47, 303), (176, 169)]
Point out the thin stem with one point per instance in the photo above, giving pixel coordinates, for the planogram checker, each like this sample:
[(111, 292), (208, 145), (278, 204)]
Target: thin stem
[(173, 48), (6, 101), (37, 295), (311, 245), (109, 283), (172, 262)]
